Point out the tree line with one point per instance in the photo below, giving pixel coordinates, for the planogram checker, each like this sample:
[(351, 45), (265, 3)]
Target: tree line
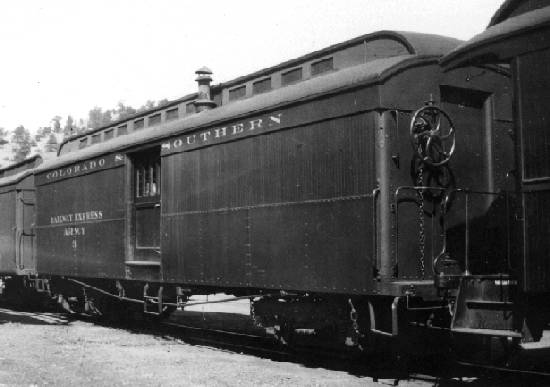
[(22, 140)]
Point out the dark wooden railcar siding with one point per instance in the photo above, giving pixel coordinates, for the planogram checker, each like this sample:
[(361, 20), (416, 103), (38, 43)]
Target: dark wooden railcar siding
[(100, 251), (289, 209), (537, 228), (17, 214), (25, 208), (534, 115), (7, 229)]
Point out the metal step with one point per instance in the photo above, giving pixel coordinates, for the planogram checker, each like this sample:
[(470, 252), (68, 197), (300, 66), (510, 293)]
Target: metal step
[(488, 332), (489, 305), (155, 301), (143, 263), (484, 305)]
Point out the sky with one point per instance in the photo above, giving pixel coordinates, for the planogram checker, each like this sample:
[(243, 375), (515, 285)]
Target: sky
[(63, 57)]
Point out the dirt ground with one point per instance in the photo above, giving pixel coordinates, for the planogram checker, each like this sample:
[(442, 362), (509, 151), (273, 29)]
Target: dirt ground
[(47, 349)]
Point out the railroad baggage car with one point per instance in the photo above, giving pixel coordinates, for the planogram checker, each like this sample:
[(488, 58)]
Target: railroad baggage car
[(273, 189), (17, 203)]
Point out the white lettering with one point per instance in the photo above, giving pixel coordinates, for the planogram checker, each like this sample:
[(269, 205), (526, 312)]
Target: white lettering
[(74, 231), (239, 128), (275, 119), (194, 137), (220, 132), (77, 217), (255, 124)]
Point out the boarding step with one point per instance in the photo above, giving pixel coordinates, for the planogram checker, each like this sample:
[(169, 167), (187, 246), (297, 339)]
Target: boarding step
[(153, 305), (488, 332), (41, 285), (489, 305), (143, 263), (485, 306)]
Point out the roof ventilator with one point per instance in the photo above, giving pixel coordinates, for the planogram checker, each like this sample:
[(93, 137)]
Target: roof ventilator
[(203, 101)]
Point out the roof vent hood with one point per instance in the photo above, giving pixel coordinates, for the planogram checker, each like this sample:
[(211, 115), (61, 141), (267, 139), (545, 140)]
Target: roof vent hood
[(203, 101)]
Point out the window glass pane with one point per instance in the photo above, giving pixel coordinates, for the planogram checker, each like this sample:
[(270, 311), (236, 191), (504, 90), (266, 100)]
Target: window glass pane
[(138, 124), (291, 76), (147, 181), (139, 182), (96, 138), (171, 114), (238, 92), (155, 180), (108, 134), (261, 86), (322, 66), (147, 167), (157, 167), (190, 108), (154, 120)]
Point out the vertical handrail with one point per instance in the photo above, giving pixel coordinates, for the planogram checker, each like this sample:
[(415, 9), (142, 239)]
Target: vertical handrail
[(375, 193), (467, 235), (23, 233), (508, 232)]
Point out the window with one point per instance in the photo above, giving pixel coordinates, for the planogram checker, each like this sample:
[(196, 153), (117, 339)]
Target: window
[(108, 134), (291, 76), (146, 216), (138, 124), (261, 86), (190, 108), (96, 138), (83, 142), (322, 66), (122, 130), (147, 169), (171, 114), (154, 119), (237, 93)]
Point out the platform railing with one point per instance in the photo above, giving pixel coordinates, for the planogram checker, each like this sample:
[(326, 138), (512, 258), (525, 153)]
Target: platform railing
[(467, 221), (444, 206)]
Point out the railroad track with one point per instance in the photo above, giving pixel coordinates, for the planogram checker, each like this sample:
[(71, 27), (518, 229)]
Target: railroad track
[(463, 373), (454, 373), (238, 342)]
